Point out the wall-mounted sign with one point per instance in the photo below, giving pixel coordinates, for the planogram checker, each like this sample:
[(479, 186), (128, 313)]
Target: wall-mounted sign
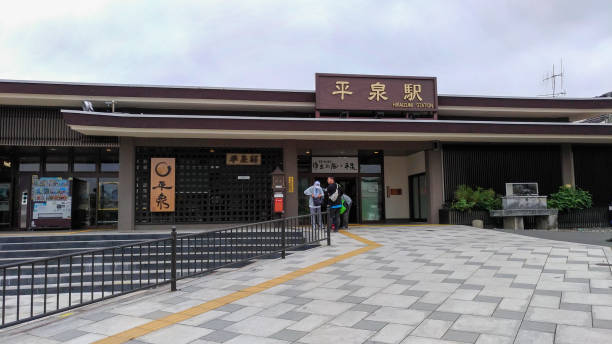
[(162, 185), (374, 92), (322, 164), (290, 182), (243, 159)]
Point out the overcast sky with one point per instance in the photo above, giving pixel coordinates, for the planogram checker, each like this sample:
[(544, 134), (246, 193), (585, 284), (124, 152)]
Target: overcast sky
[(480, 47)]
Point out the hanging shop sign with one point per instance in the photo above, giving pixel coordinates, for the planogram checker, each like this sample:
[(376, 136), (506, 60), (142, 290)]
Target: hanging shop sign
[(375, 93), (335, 164), (162, 185), (236, 159)]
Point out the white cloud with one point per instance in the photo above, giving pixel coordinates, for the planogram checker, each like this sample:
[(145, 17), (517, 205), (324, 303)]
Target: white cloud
[(473, 47)]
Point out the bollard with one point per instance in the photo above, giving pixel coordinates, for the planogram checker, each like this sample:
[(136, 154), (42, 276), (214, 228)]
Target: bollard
[(173, 260)]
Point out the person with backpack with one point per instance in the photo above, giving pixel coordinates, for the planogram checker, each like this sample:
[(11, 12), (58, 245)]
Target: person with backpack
[(345, 209), (315, 199), (334, 202)]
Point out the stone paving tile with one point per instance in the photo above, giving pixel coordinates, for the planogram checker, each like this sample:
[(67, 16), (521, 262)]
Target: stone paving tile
[(559, 316), (461, 336), (216, 324), (432, 328), (336, 334), (289, 335), (178, 334), (467, 307), (472, 323), (573, 334), (392, 333)]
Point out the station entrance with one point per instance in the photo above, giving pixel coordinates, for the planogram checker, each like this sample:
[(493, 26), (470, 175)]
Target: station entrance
[(364, 185)]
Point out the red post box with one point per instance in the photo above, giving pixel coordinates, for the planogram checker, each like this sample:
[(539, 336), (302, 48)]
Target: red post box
[(279, 203)]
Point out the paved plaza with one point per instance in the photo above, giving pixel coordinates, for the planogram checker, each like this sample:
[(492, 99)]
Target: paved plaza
[(378, 284)]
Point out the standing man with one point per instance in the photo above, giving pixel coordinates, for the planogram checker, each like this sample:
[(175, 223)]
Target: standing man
[(334, 202), (347, 202)]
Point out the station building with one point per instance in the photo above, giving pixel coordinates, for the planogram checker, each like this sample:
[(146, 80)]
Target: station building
[(397, 147)]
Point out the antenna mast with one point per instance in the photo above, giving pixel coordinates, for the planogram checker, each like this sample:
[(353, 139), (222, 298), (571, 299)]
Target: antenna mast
[(552, 78)]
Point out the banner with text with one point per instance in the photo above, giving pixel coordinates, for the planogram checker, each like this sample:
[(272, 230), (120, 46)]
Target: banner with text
[(162, 185), (335, 164)]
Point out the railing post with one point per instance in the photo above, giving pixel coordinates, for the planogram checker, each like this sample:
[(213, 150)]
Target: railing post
[(173, 261), (328, 232), (283, 237)]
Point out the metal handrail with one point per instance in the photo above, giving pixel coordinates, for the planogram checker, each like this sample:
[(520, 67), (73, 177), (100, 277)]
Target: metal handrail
[(67, 281)]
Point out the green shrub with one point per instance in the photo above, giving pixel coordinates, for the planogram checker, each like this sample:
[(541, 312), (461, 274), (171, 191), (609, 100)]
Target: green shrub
[(568, 198), (462, 205), (467, 198)]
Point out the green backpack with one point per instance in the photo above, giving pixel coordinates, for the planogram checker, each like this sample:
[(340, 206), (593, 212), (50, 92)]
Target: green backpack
[(342, 208)]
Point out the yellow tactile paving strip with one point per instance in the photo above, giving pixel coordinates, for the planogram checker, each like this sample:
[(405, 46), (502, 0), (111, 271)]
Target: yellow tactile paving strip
[(172, 319)]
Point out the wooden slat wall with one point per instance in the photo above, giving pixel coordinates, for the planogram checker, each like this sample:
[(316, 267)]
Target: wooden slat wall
[(492, 165), (43, 126), (593, 171)]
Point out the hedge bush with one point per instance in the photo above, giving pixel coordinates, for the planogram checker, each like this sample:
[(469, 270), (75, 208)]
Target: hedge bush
[(568, 198), (467, 198)]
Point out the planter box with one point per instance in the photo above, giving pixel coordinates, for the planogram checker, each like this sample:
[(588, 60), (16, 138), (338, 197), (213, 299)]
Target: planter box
[(585, 218), (456, 217)]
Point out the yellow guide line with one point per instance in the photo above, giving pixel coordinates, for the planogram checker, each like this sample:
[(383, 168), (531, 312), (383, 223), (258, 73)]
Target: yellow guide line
[(172, 319)]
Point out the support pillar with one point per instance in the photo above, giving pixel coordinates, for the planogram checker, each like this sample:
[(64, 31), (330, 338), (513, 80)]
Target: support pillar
[(290, 168), (435, 183), (567, 165), (127, 178)]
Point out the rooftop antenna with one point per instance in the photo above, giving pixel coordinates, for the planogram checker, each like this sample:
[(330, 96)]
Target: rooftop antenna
[(552, 78)]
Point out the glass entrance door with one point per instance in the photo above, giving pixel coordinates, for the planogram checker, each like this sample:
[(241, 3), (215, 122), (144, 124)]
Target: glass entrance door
[(418, 197), (371, 199)]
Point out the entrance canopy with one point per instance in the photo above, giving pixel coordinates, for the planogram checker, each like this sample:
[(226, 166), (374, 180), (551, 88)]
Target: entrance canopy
[(325, 128)]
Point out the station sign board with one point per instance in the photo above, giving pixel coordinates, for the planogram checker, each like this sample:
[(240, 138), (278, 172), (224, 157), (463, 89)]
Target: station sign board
[(375, 93)]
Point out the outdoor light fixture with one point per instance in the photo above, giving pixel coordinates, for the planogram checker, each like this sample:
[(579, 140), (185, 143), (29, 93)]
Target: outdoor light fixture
[(376, 152), (308, 152), (87, 106), (6, 164), (212, 150)]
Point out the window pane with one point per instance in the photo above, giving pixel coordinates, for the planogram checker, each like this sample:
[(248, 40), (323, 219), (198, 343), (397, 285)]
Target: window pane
[(57, 159), (109, 167), (369, 168), (110, 160), (29, 167), (56, 167), (86, 159), (29, 159), (84, 167)]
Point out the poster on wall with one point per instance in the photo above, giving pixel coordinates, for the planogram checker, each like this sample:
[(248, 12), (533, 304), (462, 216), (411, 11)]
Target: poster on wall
[(322, 164), (162, 185), (51, 202)]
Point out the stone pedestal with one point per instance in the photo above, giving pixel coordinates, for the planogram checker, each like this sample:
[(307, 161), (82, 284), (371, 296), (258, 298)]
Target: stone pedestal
[(478, 224), (514, 223), (547, 222)]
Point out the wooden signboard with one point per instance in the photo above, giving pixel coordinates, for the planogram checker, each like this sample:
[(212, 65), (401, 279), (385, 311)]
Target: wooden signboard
[(162, 185), (236, 159)]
